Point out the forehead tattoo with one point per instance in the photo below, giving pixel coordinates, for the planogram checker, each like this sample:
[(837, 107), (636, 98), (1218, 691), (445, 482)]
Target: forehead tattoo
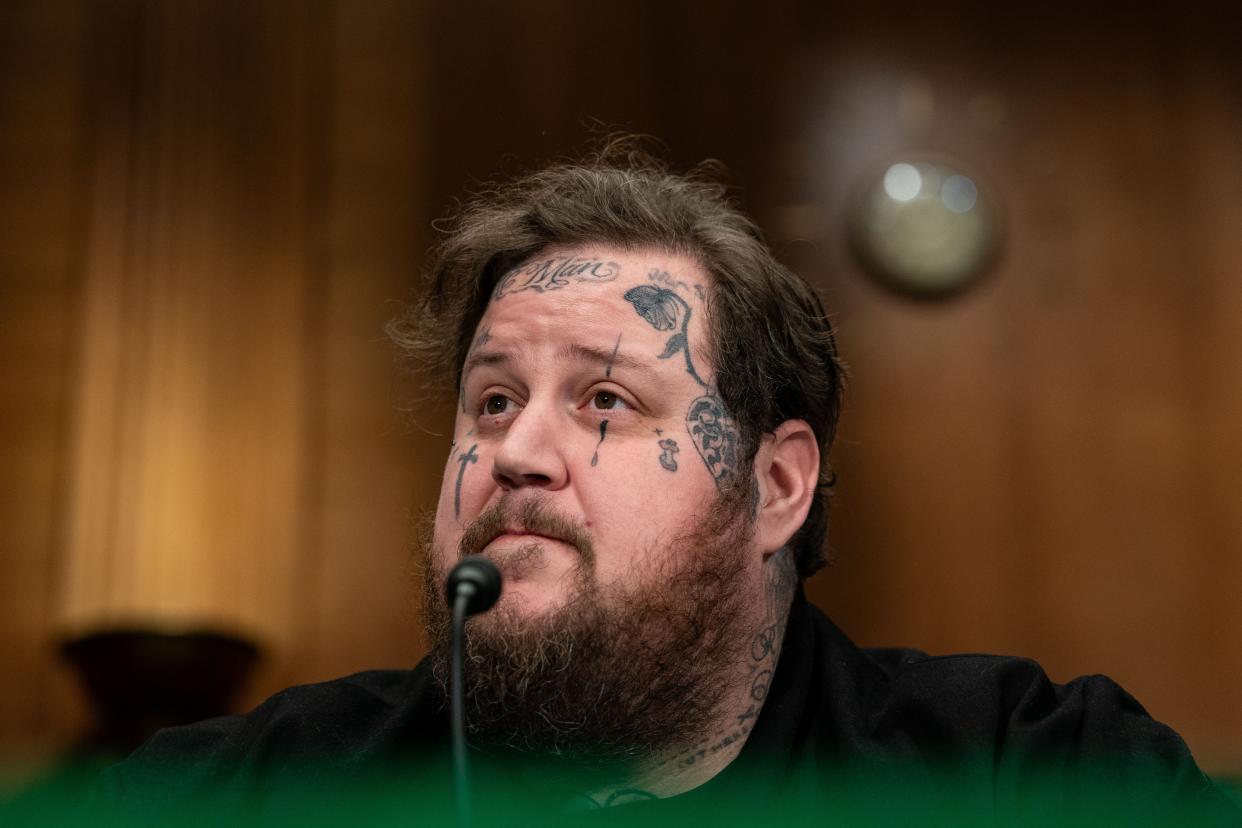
[(664, 310), (555, 273)]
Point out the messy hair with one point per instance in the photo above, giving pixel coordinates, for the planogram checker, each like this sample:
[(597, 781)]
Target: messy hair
[(769, 340)]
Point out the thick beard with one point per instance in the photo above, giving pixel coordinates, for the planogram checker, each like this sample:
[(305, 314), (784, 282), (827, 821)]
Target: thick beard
[(612, 676)]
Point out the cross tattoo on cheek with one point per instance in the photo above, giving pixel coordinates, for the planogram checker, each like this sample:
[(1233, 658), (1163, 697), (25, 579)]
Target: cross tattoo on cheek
[(468, 457)]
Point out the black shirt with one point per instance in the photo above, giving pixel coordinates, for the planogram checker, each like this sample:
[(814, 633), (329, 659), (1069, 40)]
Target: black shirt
[(846, 736)]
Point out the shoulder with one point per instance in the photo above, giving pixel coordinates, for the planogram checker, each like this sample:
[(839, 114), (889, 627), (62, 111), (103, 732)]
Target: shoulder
[(976, 699), (966, 739), (1004, 724), (1010, 702), (348, 721)]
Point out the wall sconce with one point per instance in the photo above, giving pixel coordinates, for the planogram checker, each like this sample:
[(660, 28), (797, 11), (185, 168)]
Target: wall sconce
[(925, 228)]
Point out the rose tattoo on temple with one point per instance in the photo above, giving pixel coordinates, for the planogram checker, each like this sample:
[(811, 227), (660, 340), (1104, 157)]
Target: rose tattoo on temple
[(664, 310)]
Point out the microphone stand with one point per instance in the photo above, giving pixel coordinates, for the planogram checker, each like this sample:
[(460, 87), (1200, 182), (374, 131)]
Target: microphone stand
[(473, 587), (461, 768)]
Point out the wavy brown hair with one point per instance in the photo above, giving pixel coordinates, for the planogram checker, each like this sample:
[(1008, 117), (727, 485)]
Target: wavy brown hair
[(770, 341)]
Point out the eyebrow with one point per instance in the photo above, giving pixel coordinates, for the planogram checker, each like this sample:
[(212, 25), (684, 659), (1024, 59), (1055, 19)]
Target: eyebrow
[(580, 353), (602, 356), (478, 358)]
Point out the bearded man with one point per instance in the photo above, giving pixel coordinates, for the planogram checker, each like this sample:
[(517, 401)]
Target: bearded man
[(645, 403)]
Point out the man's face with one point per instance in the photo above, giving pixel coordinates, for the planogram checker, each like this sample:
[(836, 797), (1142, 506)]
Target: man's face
[(588, 433)]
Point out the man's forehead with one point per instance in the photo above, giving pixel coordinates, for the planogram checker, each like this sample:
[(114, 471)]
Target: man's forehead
[(593, 304), (607, 357)]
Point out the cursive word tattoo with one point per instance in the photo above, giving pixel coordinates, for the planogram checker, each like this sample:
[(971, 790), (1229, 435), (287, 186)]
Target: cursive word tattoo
[(664, 310), (554, 274), (704, 752), (465, 459), (668, 454), (603, 431), (715, 436)]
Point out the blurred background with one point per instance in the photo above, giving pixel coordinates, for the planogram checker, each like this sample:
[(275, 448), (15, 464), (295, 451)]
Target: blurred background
[(1025, 219)]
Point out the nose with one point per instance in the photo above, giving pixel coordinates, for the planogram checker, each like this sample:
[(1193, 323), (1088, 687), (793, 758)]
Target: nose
[(530, 455)]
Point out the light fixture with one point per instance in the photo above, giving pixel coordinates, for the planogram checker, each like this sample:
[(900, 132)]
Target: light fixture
[(925, 228)]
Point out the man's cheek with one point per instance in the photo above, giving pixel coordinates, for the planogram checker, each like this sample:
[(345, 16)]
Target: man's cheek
[(459, 489), (444, 504)]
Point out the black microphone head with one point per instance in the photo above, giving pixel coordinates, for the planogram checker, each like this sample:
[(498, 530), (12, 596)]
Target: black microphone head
[(479, 579)]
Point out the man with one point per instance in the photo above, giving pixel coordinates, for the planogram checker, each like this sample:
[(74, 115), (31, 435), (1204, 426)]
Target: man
[(645, 402)]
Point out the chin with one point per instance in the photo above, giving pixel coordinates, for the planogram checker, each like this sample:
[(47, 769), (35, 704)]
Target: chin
[(530, 599)]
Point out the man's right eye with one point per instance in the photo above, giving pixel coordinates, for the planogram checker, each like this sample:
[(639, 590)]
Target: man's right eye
[(496, 404)]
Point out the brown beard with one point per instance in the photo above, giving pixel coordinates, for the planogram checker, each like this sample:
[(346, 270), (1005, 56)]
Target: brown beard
[(612, 675)]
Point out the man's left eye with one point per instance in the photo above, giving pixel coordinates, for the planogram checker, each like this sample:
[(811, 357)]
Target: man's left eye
[(606, 400)]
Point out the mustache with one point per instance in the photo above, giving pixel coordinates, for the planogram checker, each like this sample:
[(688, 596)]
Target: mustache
[(533, 516)]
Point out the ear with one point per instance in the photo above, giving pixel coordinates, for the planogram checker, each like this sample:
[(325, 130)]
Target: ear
[(786, 471)]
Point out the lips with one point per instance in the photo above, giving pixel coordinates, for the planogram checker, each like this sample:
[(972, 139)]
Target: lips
[(522, 536), (509, 525)]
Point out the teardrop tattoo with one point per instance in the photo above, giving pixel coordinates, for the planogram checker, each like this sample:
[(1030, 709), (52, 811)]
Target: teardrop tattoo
[(603, 430)]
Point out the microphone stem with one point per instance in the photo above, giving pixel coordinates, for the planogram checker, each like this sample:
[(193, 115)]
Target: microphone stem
[(460, 766)]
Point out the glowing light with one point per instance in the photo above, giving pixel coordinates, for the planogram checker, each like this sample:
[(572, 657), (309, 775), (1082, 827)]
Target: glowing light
[(959, 193), (902, 182)]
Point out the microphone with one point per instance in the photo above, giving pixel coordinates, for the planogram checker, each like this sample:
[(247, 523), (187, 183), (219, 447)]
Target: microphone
[(473, 586), (477, 580)]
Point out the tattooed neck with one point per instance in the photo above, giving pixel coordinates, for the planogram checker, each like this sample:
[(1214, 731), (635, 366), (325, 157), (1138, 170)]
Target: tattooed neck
[(691, 766)]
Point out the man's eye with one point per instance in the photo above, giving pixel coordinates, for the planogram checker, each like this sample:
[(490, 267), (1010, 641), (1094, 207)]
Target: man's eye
[(605, 400), (496, 404)]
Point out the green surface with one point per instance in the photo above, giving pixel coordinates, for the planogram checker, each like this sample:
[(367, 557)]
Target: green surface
[(310, 796)]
